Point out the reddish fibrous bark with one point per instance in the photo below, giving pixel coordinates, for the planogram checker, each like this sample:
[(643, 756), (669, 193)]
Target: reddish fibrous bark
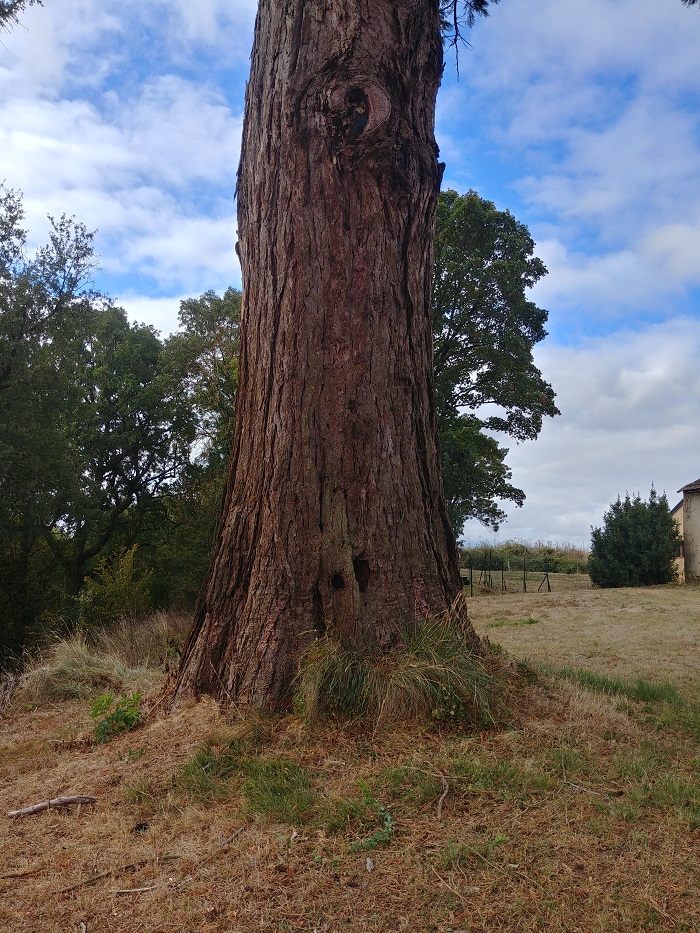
[(333, 518)]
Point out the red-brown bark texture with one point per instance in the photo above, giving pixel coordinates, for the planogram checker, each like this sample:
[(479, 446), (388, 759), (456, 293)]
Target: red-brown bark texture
[(333, 519)]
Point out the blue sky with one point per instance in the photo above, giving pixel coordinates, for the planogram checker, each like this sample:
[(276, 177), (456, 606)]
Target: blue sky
[(581, 117)]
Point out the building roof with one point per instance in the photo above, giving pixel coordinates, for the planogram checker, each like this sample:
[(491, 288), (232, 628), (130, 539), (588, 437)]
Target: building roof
[(691, 487), (676, 507)]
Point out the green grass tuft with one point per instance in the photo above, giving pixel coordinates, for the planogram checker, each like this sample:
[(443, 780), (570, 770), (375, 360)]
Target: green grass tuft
[(434, 675), (73, 669), (278, 789), (640, 689), (207, 775)]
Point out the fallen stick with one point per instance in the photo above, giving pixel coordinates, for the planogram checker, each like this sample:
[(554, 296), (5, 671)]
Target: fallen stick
[(93, 879), (78, 800), (442, 798)]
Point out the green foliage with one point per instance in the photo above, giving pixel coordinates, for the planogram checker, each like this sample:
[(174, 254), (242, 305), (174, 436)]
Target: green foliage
[(205, 776), (114, 719), (383, 835), (10, 10), (637, 545), (433, 675), (484, 329), (96, 435), (116, 590), (538, 558), (640, 689), (455, 14), (202, 358)]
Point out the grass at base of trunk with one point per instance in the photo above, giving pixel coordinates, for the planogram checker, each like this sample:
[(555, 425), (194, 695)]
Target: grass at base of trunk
[(432, 675)]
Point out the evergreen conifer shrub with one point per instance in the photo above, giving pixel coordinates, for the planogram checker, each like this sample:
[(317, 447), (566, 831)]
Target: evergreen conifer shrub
[(637, 544)]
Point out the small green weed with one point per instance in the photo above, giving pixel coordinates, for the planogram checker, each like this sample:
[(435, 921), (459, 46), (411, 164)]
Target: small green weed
[(115, 719), (383, 835)]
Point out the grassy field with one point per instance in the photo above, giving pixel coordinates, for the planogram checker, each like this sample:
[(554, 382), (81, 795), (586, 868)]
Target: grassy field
[(578, 811)]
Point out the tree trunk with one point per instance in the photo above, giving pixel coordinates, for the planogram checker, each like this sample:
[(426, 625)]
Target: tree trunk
[(333, 518)]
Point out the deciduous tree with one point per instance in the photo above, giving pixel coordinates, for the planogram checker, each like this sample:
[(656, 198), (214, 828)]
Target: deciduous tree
[(485, 328)]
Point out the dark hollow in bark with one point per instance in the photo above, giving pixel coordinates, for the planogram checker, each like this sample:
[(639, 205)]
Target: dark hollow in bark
[(333, 518)]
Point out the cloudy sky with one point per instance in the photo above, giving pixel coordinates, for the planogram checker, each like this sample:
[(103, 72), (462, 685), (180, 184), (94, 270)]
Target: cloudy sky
[(581, 117)]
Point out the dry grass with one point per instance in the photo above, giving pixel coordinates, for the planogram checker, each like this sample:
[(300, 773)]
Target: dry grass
[(651, 632), (575, 816)]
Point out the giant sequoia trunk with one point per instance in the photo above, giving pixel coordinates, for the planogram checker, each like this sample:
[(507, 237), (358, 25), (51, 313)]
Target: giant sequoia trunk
[(333, 519)]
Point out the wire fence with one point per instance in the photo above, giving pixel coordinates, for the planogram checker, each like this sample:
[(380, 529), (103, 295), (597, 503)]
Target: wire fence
[(503, 576)]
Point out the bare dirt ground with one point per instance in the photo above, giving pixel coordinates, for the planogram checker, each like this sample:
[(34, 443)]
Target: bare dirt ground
[(575, 812)]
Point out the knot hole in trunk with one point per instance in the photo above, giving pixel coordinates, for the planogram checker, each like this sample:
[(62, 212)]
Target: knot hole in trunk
[(358, 111), (361, 567)]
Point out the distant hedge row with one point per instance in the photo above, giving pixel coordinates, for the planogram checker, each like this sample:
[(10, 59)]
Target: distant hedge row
[(540, 557)]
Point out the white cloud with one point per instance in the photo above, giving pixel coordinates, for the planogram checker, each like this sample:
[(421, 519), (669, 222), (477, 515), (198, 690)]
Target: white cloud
[(152, 168), (589, 109), (630, 404)]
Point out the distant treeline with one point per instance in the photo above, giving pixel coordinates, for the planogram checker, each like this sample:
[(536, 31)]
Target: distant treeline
[(540, 557)]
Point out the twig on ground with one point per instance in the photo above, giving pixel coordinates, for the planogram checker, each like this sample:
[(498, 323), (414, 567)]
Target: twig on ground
[(223, 845), (445, 792), (78, 800), (661, 910), (608, 791), (151, 887), (105, 874), (448, 886)]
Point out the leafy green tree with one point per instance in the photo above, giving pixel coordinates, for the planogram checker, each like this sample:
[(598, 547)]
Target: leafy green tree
[(129, 437), (45, 303), (637, 544), (484, 330), (202, 357), (95, 432)]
